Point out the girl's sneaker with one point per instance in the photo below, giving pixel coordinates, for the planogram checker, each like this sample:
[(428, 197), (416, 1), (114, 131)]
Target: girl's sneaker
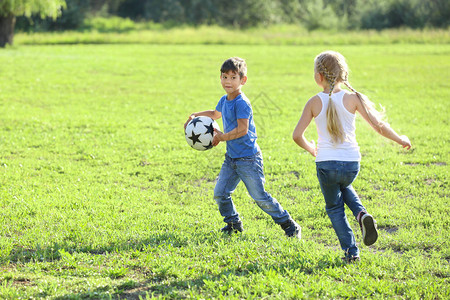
[(368, 228)]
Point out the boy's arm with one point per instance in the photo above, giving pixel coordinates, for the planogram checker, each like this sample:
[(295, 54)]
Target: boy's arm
[(213, 114), (239, 131)]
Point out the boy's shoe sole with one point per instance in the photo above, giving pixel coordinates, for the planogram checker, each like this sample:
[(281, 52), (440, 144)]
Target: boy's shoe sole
[(351, 259), (369, 230)]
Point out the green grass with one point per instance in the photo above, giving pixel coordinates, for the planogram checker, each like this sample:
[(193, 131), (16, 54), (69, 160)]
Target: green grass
[(116, 31), (101, 197)]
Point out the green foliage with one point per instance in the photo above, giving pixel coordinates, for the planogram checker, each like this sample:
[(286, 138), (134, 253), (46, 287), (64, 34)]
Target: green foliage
[(409, 13), (73, 16), (233, 13), (111, 24), (44, 8), (248, 13), (100, 196), (311, 14), (317, 15)]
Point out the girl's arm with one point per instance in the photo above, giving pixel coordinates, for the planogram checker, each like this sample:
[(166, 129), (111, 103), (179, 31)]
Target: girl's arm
[(299, 131), (213, 114), (382, 127), (239, 131)]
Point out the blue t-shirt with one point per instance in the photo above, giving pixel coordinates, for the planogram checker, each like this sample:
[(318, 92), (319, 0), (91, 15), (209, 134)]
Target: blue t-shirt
[(232, 110)]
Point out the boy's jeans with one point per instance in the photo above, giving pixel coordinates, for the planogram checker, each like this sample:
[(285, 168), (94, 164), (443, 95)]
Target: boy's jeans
[(335, 178), (250, 170)]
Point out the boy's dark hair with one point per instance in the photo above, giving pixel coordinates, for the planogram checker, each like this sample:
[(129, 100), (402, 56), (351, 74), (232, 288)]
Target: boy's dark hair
[(235, 64)]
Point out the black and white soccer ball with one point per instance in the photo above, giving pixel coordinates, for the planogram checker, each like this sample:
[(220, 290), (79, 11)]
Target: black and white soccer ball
[(199, 133)]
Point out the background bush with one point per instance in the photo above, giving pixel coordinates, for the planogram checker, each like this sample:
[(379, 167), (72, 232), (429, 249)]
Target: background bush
[(312, 14)]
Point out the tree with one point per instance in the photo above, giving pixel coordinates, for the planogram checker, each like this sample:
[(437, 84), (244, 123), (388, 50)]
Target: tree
[(9, 9)]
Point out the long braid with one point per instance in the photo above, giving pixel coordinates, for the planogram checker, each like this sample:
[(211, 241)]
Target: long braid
[(334, 125)]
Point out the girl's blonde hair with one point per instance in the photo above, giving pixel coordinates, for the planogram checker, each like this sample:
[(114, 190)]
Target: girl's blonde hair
[(333, 67)]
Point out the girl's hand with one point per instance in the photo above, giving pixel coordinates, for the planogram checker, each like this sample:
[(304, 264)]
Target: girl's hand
[(313, 147), (405, 142), (218, 137)]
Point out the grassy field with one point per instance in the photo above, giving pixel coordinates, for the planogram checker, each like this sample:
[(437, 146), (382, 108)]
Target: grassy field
[(117, 31), (101, 197)]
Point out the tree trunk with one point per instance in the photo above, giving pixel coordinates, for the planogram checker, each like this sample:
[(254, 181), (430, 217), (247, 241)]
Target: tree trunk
[(7, 29)]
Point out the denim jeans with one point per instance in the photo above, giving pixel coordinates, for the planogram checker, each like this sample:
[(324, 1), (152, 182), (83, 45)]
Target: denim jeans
[(250, 170), (335, 178)]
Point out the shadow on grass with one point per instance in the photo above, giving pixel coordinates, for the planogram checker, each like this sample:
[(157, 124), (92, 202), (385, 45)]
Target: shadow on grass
[(173, 288), (53, 252), (169, 286)]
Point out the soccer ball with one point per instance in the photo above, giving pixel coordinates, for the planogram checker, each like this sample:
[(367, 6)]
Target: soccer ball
[(199, 133)]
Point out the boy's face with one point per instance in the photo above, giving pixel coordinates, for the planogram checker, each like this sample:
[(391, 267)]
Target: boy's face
[(232, 82)]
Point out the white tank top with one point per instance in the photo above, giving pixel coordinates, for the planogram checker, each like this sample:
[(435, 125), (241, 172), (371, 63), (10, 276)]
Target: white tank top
[(326, 149)]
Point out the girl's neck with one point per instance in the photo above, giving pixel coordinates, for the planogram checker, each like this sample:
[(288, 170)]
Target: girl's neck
[(337, 88)]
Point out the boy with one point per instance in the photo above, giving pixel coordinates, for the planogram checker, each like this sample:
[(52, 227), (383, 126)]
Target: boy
[(243, 159)]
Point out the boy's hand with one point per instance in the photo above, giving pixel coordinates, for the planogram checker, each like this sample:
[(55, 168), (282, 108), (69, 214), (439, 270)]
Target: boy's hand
[(406, 143), (189, 119), (218, 137)]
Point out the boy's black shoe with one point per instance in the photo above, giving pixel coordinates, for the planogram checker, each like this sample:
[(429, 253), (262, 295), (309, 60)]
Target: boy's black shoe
[(292, 229), (233, 227), (351, 259), (368, 228)]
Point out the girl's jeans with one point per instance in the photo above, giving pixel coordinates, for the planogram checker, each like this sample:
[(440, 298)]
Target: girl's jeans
[(335, 178), (250, 170)]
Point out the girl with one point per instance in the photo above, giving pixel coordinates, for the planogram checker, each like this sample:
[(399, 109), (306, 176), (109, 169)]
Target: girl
[(337, 153)]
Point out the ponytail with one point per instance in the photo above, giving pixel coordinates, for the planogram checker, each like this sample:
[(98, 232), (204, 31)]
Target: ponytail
[(334, 125)]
